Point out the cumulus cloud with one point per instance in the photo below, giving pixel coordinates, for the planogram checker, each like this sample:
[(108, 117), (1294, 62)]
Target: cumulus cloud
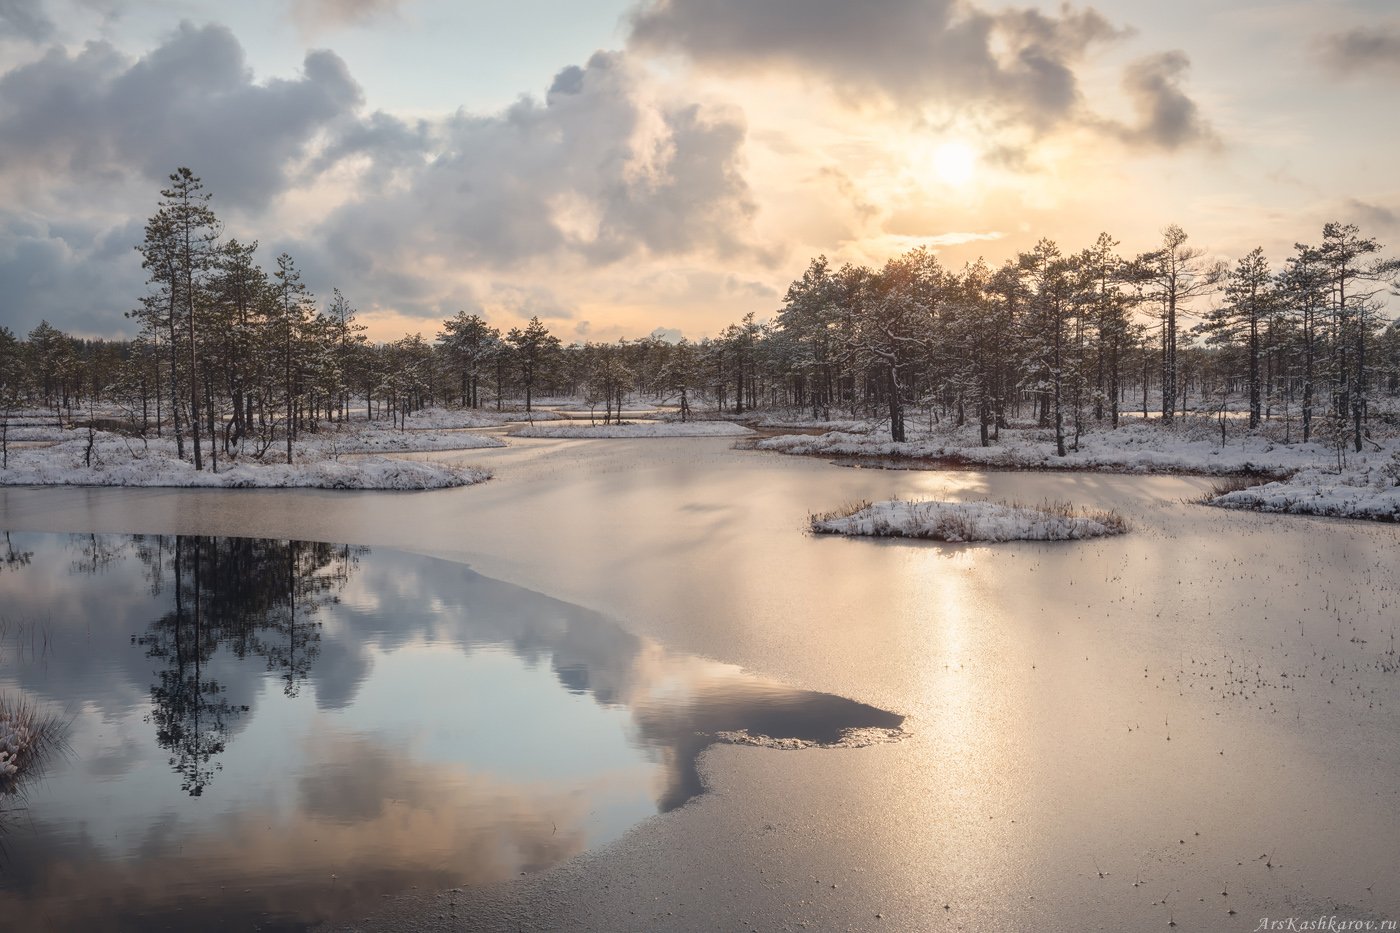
[(1166, 117), (192, 101), (79, 277), (598, 172), (25, 19), (1014, 66), (1374, 48), (912, 52), (417, 216)]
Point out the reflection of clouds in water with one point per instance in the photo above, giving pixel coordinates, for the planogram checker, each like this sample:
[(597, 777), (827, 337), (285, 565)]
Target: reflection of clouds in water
[(386, 823), (678, 703), (272, 616)]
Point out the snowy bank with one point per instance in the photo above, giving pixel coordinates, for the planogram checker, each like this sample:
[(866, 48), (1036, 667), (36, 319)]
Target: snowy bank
[(1362, 493), (969, 521), (380, 440), (1132, 448), (118, 461), (450, 418), (637, 429)]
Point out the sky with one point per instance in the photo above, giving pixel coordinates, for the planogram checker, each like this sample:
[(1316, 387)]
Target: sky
[(622, 166)]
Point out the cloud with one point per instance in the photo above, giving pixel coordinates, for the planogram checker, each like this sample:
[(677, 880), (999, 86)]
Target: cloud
[(25, 19), (316, 16), (958, 238), (1370, 215), (82, 278), (1166, 117), (409, 216), (1373, 48), (599, 172), (191, 101), (910, 52)]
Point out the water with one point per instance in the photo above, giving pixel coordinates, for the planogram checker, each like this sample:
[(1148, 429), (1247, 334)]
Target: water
[(277, 732), (1164, 707)]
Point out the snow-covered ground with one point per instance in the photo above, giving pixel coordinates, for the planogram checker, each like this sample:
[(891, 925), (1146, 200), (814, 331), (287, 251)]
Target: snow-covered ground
[(450, 418), (1132, 448), (121, 461), (575, 405), (638, 429), (1306, 477), (968, 521), (379, 439), (1366, 492)]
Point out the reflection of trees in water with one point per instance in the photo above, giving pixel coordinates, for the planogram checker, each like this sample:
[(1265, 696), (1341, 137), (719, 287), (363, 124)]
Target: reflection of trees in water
[(249, 596), (95, 553), (11, 558)]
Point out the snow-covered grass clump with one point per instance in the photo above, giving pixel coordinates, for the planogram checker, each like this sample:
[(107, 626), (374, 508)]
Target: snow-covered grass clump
[(117, 461), (27, 736), (1363, 493), (969, 521), (637, 429)]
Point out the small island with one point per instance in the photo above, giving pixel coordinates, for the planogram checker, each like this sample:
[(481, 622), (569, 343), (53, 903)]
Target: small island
[(966, 522)]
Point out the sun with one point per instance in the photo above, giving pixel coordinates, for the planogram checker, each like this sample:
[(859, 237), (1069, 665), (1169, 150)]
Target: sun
[(954, 163)]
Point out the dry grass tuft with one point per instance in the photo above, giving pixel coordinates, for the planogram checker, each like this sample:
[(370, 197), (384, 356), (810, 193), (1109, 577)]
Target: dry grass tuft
[(1229, 484), (816, 519)]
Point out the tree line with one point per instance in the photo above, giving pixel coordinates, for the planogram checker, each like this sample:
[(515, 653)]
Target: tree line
[(233, 361)]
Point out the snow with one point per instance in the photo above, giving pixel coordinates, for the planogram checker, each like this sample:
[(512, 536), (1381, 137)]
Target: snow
[(1133, 448), (1306, 479), (968, 521), (850, 738), (573, 405), (636, 429), (35, 432), (16, 739), (1364, 493), (387, 440), (120, 461), (449, 418)]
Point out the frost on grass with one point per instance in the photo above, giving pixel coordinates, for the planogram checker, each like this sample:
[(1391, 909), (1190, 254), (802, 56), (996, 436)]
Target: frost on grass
[(1362, 492), (118, 461), (1190, 447), (637, 429), (27, 738), (850, 738), (969, 521), (386, 440)]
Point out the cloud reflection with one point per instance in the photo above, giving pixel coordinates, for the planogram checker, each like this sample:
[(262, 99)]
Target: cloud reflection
[(290, 650)]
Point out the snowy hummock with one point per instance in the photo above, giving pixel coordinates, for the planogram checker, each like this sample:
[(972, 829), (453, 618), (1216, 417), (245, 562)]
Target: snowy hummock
[(119, 461), (1363, 492), (16, 740), (637, 429), (26, 738), (968, 521)]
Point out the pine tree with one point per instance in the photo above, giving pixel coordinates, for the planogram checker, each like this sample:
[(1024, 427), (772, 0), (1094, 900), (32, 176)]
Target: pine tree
[(194, 232), (531, 347)]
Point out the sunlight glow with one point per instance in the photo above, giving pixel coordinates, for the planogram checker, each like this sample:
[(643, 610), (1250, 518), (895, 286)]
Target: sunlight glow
[(955, 163)]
